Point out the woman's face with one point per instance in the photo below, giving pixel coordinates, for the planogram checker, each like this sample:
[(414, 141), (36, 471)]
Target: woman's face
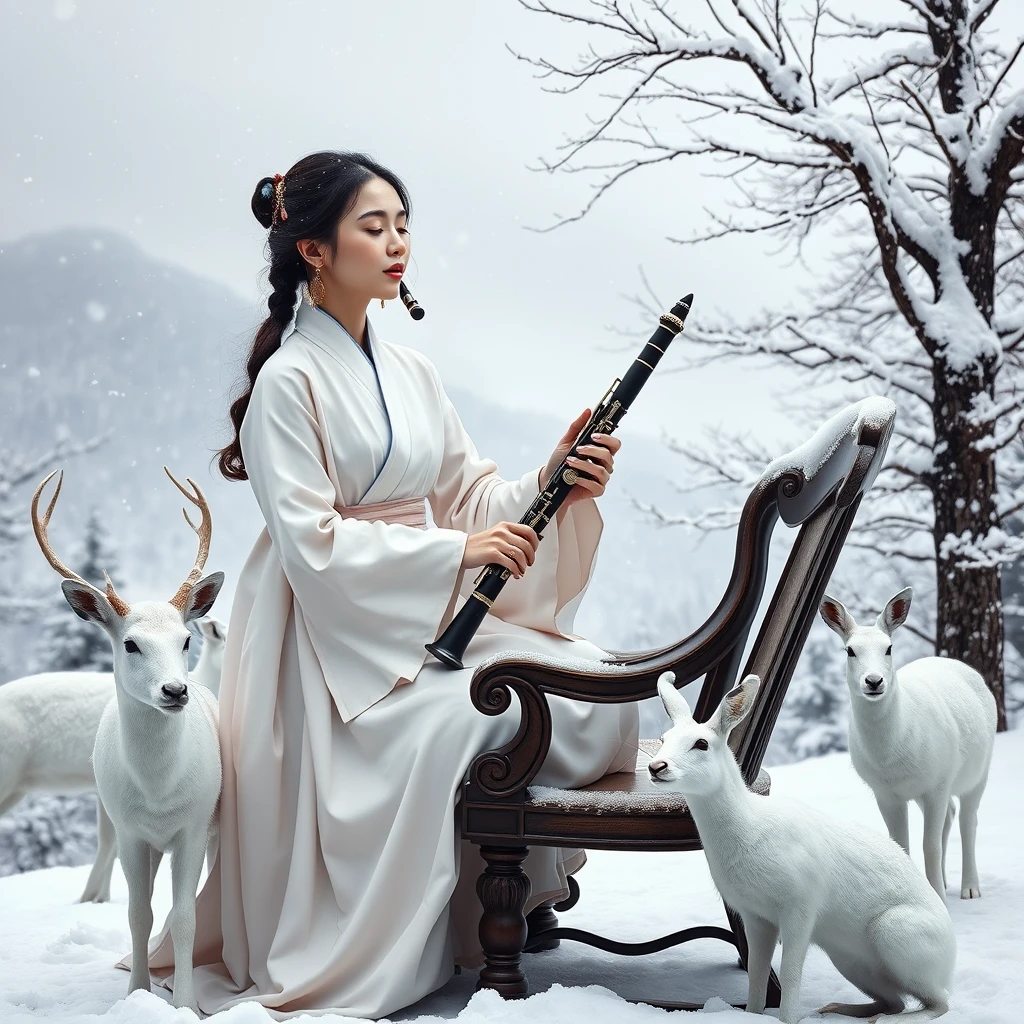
[(371, 246)]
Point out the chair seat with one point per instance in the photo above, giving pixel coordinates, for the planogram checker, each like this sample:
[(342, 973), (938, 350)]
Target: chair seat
[(624, 792)]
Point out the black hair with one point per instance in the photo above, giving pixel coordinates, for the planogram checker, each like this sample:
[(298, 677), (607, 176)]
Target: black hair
[(318, 192)]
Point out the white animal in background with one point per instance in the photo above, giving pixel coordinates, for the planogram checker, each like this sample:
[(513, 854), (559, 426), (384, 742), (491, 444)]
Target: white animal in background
[(48, 724), (924, 733), (157, 755), (211, 655), (793, 872)]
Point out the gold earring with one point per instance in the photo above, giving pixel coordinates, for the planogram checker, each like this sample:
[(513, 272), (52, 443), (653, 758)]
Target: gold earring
[(315, 291), (381, 303)]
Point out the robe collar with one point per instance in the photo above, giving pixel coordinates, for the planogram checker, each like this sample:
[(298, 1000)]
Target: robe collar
[(326, 333)]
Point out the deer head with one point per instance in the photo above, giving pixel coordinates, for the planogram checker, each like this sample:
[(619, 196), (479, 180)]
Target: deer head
[(869, 671), (150, 639)]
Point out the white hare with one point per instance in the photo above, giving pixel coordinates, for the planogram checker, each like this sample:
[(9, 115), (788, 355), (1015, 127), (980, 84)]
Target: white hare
[(924, 733), (790, 871)]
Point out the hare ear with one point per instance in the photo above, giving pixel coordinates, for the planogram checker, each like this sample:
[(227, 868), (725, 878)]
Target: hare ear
[(675, 703), (896, 611), (735, 706), (836, 617)]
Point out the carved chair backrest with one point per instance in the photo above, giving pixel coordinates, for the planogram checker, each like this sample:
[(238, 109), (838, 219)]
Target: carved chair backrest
[(818, 487)]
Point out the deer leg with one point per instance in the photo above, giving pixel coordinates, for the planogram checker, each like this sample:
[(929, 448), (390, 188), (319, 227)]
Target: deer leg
[(894, 813), (134, 854), (934, 809), (97, 888), (503, 888), (970, 887), (186, 869), (947, 825)]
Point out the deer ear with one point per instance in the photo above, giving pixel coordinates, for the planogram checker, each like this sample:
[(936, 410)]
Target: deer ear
[(89, 603), (836, 617), (735, 706), (674, 701), (896, 611), (202, 596)]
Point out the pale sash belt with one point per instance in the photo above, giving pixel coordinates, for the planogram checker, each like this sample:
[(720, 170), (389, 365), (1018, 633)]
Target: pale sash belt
[(406, 511)]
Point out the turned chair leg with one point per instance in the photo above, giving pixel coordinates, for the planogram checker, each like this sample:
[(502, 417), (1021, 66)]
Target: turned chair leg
[(773, 996), (541, 919), (503, 889)]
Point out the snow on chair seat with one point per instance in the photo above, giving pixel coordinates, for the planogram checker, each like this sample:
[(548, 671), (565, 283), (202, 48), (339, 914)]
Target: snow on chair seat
[(623, 792)]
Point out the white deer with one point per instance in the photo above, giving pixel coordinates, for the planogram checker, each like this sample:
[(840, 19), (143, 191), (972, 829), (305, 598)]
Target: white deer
[(48, 725), (924, 734), (790, 871), (207, 669), (157, 755)]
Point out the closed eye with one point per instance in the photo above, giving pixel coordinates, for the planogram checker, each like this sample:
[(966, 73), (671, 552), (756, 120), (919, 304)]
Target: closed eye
[(131, 647), (700, 744)]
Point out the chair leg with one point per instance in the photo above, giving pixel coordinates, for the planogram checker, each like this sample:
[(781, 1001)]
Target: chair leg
[(774, 994), (541, 919), (503, 888)]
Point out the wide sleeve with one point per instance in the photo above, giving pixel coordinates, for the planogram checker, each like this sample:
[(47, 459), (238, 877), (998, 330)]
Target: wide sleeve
[(470, 495), (370, 594)]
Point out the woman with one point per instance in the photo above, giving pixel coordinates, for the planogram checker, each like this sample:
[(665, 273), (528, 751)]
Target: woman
[(341, 883)]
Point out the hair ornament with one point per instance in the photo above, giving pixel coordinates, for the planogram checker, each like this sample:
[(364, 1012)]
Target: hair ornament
[(280, 213)]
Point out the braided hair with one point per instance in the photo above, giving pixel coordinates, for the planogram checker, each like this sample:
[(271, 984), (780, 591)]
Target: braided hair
[(307, 202)]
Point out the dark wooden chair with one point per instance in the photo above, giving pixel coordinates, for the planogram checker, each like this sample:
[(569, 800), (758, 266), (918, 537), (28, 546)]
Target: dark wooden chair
[(818, 488)]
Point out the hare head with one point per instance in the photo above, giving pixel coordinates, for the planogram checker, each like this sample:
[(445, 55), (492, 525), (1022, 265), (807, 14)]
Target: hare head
[(692, 753)]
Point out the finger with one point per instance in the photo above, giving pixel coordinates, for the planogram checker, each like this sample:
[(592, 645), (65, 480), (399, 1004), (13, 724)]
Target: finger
[(595, 487), (576, 426), (609, 441), (526, 550), (519, 557), (527, 533), (596, 470), (506, 561), (593, 451)]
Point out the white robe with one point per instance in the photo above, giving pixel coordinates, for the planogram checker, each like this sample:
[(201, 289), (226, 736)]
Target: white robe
[(338, 883)]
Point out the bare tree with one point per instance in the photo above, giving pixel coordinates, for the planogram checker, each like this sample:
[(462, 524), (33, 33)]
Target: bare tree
[(903, 138)]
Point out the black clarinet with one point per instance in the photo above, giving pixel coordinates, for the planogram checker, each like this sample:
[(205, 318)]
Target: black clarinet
[(450, 646), (416, 311)]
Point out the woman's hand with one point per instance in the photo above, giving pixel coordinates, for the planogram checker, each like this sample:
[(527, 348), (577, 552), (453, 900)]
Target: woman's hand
[(598, 461), (513, 546)]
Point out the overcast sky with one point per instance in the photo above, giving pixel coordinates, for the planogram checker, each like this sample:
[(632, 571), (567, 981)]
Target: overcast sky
[(157, 119)]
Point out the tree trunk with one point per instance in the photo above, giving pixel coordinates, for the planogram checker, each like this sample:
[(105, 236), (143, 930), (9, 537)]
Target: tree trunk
[(969, 622)]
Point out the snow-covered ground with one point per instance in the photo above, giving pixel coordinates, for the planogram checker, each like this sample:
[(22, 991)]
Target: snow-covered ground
[(56, 957)]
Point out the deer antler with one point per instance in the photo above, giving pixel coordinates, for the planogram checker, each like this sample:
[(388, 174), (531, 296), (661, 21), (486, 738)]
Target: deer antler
[(203, 531), (39, 528)]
